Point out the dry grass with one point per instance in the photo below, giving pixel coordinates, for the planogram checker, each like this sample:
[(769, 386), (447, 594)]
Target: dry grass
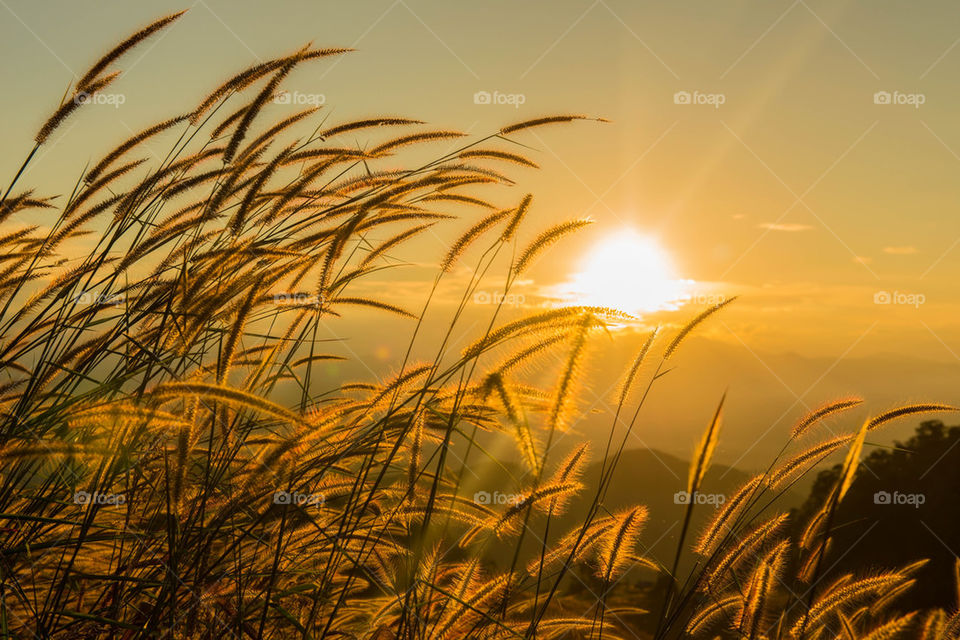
[(147, 375)]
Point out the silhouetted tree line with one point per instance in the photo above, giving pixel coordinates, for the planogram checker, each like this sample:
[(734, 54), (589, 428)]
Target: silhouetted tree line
[(902, 507)]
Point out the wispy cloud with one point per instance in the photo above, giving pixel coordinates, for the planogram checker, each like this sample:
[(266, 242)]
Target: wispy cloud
[(788, 227), (900, 251)]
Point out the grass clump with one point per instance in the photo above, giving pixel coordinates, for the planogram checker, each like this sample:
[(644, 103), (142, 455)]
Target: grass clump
[(172, 465)]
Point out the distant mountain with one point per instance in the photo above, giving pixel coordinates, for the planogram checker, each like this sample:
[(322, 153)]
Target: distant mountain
[(766, 394), (642, 477), (653, 479), (766, 391)]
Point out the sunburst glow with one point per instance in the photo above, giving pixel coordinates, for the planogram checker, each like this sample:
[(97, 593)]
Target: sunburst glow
[(630, 272)]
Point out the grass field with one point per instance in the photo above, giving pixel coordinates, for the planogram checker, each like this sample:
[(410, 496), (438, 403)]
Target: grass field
[(175, 463)]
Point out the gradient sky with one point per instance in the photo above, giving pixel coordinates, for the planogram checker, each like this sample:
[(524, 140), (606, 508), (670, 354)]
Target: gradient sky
[(799, 192)]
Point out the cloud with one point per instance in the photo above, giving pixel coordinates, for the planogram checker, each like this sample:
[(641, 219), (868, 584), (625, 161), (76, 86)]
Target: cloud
[(900, 251), (789, 227), (863, 259)]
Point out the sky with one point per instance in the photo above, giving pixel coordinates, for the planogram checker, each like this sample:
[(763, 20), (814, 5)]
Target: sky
[(801, 154)]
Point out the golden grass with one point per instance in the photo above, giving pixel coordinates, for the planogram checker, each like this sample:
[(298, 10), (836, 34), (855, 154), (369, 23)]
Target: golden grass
[(178, 364)]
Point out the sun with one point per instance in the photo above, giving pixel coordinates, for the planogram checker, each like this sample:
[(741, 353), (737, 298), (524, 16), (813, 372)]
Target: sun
[(630, 272)]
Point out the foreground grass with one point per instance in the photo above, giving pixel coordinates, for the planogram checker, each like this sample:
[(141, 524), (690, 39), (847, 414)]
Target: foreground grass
[(153, 482)]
